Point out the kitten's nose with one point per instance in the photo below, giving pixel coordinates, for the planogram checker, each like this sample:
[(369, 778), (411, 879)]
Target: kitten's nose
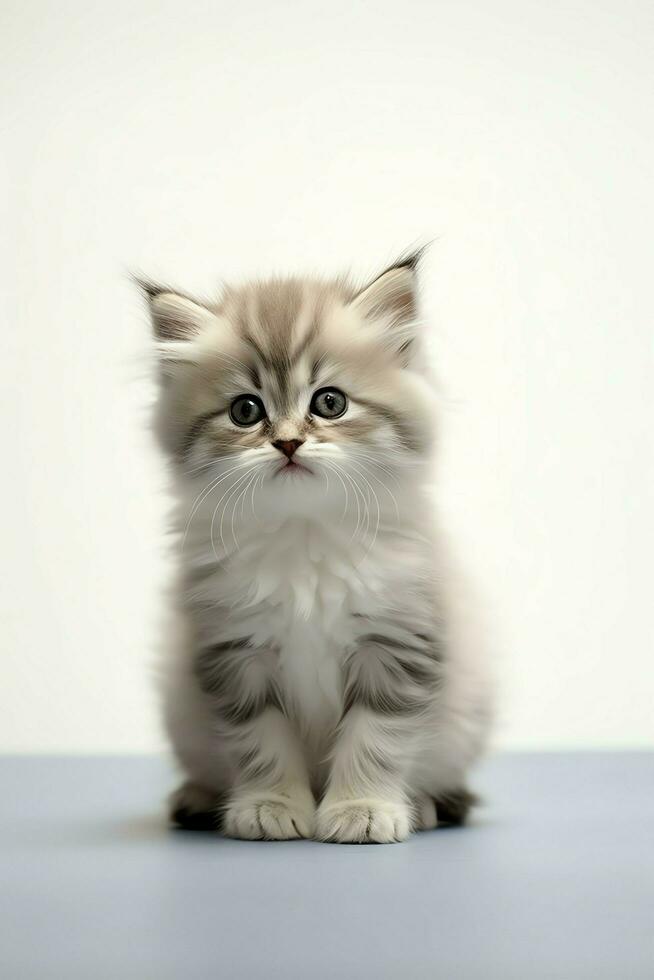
[(288, 446)]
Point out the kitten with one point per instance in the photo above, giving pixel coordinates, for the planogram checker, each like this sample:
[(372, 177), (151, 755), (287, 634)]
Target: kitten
[(326, 682)]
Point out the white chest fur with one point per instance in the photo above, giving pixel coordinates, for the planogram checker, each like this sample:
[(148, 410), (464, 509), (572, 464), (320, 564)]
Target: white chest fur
[(297, 589)]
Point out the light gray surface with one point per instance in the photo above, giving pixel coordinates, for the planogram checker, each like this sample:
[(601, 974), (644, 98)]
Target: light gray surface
[(554, 879)]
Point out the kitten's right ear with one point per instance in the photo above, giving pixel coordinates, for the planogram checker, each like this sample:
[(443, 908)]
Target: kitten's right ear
[(175, 317), (391, 302)]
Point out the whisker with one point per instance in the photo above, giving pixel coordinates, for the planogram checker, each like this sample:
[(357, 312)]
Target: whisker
[(240, 498), (357, 493), (233, 498), (383, 485), (347, 496), (257, 483), (202, 496), (244, 497), (229, 490), (372, 490), (208, 463)]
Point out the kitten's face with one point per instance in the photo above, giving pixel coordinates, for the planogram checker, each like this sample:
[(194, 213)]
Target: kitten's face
[(295, 394)]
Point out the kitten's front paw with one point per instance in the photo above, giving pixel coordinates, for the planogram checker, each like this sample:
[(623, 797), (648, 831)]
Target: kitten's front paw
[(367, 821), (269, 817)]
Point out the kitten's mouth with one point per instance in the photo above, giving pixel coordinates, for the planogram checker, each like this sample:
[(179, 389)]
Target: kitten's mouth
[(292, 468)]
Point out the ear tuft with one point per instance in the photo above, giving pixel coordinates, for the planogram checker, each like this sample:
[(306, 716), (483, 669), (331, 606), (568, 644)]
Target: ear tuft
[(148, 287), (410, 260)]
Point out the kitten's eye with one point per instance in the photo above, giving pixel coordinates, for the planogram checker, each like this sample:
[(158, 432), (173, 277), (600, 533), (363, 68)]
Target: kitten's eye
[(246, 410), (330, 403)]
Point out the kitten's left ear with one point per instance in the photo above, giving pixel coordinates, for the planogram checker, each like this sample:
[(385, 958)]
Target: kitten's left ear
[(390, 301), (175, 317), (177, 320)]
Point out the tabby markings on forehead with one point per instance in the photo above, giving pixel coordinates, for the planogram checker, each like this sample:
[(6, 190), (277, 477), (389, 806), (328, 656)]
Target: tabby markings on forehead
[(254, 377), (305, 343), (258, 350)]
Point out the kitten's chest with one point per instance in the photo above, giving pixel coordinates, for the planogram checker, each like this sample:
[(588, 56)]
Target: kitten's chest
[(302, 591)]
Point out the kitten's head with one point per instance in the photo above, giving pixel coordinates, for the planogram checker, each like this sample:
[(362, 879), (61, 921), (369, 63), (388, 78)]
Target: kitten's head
[(295, 390)]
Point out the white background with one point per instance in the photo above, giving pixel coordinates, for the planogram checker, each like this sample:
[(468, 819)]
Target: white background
[(202, 141)]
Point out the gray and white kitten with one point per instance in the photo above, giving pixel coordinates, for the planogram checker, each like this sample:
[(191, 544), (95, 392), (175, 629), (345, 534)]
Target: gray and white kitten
[(327, 681)]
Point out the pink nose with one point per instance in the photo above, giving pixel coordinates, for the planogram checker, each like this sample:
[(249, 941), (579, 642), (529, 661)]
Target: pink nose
[(288, 446)]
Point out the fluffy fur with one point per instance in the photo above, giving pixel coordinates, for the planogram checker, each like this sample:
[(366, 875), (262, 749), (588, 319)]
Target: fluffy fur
[(326, 681)]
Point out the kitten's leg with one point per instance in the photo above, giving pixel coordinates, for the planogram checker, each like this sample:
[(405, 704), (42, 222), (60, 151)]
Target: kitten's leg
[(270, 797), (190, 724), (389, 684), (366, 800)]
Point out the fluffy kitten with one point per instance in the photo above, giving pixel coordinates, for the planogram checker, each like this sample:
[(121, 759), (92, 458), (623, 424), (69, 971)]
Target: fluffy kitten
[(326, 683)]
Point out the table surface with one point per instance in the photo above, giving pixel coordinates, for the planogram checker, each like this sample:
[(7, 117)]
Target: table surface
[(554, 878)]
